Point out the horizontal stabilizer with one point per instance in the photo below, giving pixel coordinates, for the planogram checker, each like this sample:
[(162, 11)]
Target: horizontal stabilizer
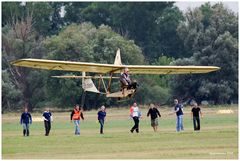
[(87, 77)]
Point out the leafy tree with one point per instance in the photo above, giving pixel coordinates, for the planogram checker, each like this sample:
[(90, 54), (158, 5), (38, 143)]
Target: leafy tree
[(56, 19), (10, 12), (74, 12), (151, 24), (86, 43), (46, 19), (11, 95), (210, 34), (20, 41)]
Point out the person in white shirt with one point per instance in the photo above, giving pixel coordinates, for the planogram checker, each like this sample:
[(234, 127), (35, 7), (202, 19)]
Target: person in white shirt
[(135, 114)]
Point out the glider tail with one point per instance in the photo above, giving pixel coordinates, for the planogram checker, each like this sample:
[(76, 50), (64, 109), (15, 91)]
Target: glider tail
[(118, 60)]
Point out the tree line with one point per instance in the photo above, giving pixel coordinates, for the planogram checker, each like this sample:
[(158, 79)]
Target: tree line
[(155, 33)]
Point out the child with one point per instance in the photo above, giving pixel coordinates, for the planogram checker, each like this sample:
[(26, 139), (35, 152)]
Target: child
[(47, 117), (25, 120), (101, 118)]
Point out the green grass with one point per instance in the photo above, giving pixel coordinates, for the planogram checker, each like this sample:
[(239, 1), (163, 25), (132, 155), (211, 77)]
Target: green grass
[(218, 138)]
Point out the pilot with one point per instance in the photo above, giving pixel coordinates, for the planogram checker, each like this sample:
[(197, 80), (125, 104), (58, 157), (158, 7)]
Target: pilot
[(126, 81)]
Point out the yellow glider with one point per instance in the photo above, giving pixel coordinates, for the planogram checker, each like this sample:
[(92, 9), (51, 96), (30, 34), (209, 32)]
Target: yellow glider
[(110, 68), (117, 67)]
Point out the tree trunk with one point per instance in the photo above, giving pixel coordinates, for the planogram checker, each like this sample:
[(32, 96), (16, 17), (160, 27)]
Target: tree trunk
[(28, 105)]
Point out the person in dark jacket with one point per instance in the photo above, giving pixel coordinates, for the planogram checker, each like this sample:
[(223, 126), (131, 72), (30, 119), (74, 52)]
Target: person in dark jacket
[(25, 121), (47, 117), (76, 115), (101, 118), (154, 113)]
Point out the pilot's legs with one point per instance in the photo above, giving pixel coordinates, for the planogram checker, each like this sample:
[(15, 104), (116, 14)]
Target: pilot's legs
[(132, 85), (124, 91)]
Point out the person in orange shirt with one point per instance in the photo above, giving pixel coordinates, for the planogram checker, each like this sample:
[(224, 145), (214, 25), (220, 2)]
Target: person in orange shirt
[(76, 115)]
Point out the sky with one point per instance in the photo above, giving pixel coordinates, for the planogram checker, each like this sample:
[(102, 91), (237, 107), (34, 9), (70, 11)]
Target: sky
[(183, 5)]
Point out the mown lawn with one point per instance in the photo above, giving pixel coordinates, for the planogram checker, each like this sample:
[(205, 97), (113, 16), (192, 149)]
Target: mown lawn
[(218, 138)]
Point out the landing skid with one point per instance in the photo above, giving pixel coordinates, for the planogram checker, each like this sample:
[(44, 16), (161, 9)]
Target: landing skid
[(123, 99), (122, 94)]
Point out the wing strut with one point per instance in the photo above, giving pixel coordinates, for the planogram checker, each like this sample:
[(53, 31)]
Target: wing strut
[(103, 83), (109, 83)]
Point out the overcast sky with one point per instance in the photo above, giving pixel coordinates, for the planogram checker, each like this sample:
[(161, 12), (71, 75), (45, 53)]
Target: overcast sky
[(183, 5)]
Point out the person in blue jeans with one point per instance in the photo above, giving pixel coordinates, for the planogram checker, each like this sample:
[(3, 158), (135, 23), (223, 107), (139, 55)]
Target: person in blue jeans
[(178, 109), (101, 118), (25, 120), (76, 115)]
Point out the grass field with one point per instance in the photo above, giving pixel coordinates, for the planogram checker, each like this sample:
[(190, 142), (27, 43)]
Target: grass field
[(218, 138)]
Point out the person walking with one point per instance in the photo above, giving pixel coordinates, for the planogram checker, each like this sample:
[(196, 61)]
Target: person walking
[(76, 116), (47, 117), (196, 110), (25, 121), (135, 114), (101, 118), (154, 113)]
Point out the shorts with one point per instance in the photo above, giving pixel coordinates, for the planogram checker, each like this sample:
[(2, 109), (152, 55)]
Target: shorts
[(154, 122)]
